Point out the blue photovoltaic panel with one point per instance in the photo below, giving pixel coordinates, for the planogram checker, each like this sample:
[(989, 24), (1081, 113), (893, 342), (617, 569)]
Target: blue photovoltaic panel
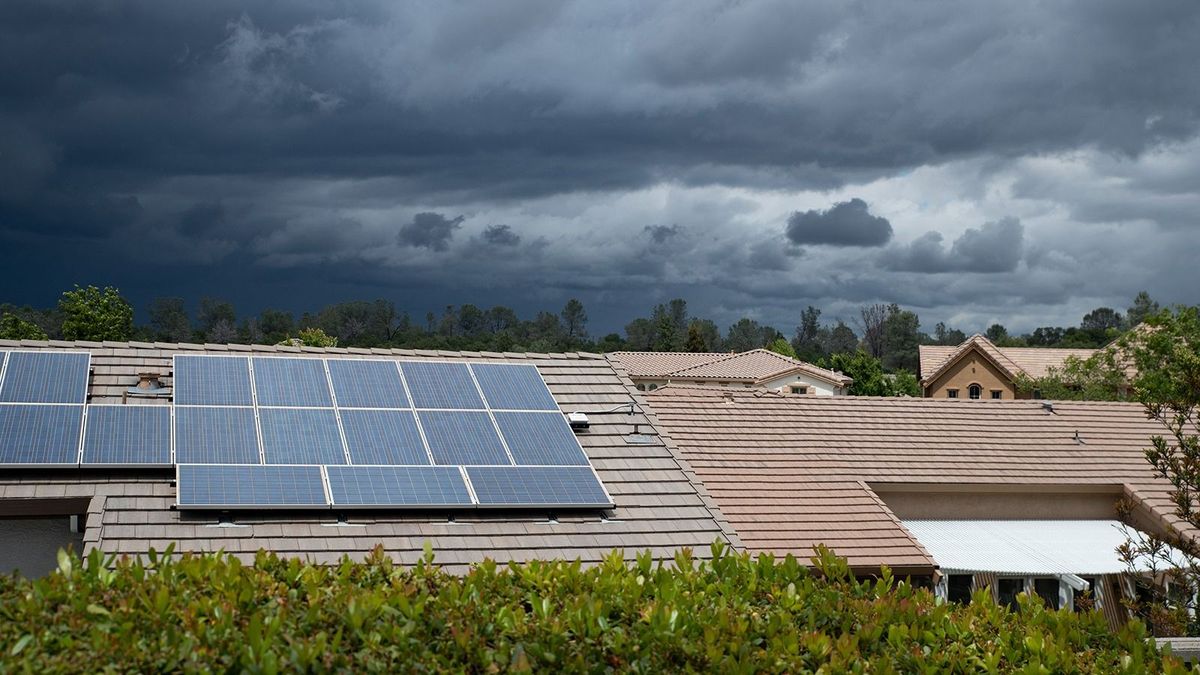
[(298, 383), (513, 387), (383, 437), (45, 377), (566, 486), (462, 438), (398, 486), (227, 486), (215, 436), (292, 436), (367, 384), (212, 380), (128, 435), (40, 434), (441, 385), (540, 438)]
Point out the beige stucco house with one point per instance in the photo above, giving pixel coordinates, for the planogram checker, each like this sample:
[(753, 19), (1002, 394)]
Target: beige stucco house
[(754, 369), (978, 369)]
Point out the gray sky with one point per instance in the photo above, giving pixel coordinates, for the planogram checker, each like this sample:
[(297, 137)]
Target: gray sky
[(1021, 162)]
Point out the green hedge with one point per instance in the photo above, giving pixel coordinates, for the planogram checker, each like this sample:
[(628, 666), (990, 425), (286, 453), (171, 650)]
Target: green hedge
[(734, 613)]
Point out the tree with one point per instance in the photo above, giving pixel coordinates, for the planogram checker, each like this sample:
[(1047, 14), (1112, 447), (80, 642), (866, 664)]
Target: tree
[(574, 320), (1143, 306), (1096, 378), (810, 335), (996, 333), (901, 338), (748, 334), (872, 321), (214, 313), (1046, 336), (703, 336), (639, 335), (1167, 361), (670, 326), (905, 383), (311, 337), (1101, 319), (275, 325), (842, 340), (782, 346), (169, 320), (866, 370), (13, 327), (94, 314)]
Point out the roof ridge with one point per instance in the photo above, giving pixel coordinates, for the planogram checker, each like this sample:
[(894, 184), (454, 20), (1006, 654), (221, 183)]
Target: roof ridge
[(286, 349)]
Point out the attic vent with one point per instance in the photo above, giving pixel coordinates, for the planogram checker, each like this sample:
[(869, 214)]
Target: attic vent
[(1079, 439), (149, 385), (1048, 407)]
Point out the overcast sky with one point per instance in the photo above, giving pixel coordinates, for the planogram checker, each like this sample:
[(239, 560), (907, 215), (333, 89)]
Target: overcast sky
[(1021, 162)]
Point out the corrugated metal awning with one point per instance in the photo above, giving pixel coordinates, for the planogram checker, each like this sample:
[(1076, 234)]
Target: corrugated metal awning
[(1023, 547)]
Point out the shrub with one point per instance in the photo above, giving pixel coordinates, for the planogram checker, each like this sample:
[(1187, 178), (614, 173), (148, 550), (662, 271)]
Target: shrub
[(734, 613)]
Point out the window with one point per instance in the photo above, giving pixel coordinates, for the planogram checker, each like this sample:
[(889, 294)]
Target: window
[(796, 389), (1048, 590), (975, 391), (641, 387), (951, 393), (1007, 590), (997, 394), (653, 387), (958, 588)]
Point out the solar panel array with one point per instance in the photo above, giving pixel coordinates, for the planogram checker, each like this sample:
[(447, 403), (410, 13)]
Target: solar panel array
[(280, 432)]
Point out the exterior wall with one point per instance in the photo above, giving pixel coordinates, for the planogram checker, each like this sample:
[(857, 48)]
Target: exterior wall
[(31, 544), (972, 369), (978, 504)]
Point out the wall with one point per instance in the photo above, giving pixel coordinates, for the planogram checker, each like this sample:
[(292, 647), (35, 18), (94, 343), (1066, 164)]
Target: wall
[(815, 387), (978, 502), (972, 368), (31, 544)]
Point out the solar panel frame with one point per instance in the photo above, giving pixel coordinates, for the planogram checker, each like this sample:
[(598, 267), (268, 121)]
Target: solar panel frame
[(259, 482), (52, 377), (443, 385), (490, 483), (301, 436), (244, 450), (63, 421), (384, 437), (513, 386), (368, 383), (239, 393), (289, 382), (540, 438), (97, 423), (396, 486), (457, 435)]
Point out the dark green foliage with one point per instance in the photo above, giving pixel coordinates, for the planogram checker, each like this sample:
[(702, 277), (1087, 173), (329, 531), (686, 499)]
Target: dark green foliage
[(13, 327), (734, 613), (94, 314), (169, 320), (782, 346)]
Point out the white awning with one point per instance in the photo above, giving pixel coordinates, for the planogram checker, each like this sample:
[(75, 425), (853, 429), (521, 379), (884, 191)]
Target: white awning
[(1024, 547)]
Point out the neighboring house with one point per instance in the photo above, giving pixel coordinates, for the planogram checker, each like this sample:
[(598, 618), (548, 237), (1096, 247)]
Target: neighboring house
[(754, 369), (659, 505), (978, 369), (1010, 495)]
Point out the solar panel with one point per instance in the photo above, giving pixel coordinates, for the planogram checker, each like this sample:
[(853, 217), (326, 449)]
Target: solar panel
[(368, 486), (441, 385), (212, 380), (359, 383), (128, 435), (462, 438), (540, 438), (215, 436), (230, 486), (383, 437), (297, 383), (45, 377), (564, 486), (508, 386), (40, 434), (301, 436)]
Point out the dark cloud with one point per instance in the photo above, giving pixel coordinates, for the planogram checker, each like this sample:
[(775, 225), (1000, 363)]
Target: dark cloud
[(429, 230), (661, 234), (501, 235), (993, 247), (845, 224)]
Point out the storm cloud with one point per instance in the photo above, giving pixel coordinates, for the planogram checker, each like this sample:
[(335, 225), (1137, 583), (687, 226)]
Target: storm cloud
[(845, 224), (313, 152)]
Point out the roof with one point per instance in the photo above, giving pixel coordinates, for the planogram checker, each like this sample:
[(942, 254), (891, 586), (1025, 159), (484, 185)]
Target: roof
[(756, 365), (791, 472), (660, 506), (1026, 547), (1034, 362)]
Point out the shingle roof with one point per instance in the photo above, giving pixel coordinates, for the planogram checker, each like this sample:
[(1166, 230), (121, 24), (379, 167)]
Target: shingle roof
[(790, 472), (1032, 361), (755, 365), (660, 504)]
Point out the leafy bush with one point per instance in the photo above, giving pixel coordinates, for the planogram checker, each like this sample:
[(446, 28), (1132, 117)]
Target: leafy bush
[(733, 613)]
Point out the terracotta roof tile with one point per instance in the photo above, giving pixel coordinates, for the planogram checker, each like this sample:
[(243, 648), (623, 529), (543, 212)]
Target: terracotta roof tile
[(754, 365)]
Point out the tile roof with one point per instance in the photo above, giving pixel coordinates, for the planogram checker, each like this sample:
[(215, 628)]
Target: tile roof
[(790, 472), (1032, 361), (661, 506), (755, 365)]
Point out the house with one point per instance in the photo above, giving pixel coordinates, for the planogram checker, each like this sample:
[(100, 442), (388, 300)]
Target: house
[(978, 369), (1011, 495), (754, 369), (659, 504)]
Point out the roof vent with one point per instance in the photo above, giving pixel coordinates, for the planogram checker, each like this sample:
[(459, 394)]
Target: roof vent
[(1048, 407), (1079, 439), (149, 386), (578, 421)]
